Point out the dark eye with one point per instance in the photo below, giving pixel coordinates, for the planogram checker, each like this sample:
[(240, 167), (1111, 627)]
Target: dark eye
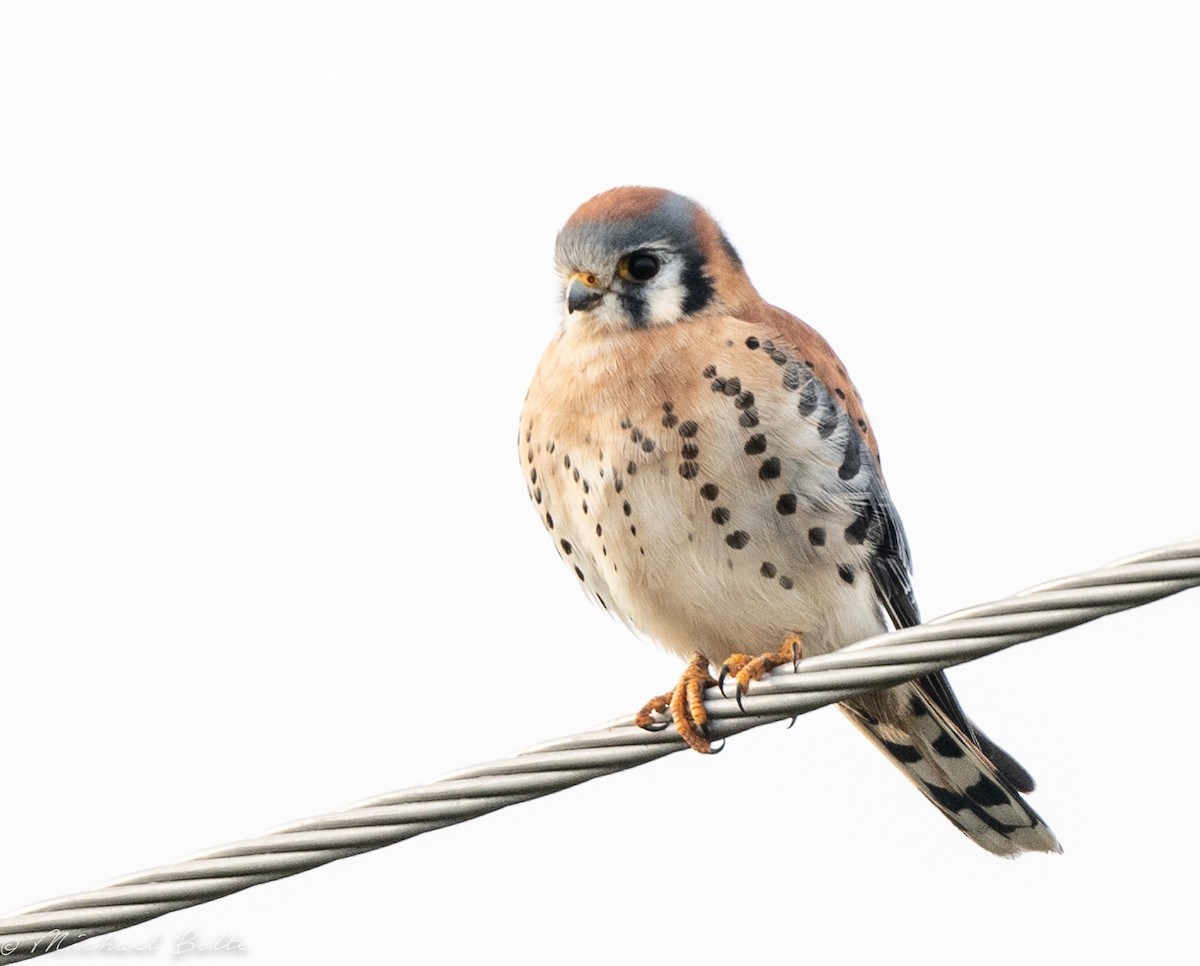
[(640, 266)]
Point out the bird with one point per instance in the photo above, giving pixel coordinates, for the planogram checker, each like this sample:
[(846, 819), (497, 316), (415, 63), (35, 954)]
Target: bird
[(705, 466)]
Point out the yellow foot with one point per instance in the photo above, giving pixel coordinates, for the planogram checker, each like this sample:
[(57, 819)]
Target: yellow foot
[(744, 668), (686, 704)]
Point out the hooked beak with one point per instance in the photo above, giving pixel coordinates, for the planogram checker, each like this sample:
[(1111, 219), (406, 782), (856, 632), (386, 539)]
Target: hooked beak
[(583, 293)]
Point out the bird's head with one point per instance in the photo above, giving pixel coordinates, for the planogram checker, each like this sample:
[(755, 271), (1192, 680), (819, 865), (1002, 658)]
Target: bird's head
[(633, 258)]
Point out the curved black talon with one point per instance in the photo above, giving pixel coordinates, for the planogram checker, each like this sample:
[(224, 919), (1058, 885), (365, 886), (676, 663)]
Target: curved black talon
[(740, 692), (721, 680), (795, 660), (792, 722), (656, 726), (717, 750)]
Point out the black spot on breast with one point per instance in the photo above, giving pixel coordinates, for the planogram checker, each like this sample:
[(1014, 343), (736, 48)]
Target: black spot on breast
[(668, 406), (752, 343), (744, 400), (631, 468), (778, 357), (786, 504), (791, 376), (829, 420), (852, 461), (840, 394), (738, 539), (709, 372), (767, 569), (718, 385), (627, 508), (689, 451), (689, 470), (770, 469), (549, 521), (583, 506), (567, 461), (756, 444), (808, 398), (748, 419), (537, 494), (786, 583), (533, 475), (669, 420), (579, 573), (846, 574), (599, 530), (687, 429), (816, 536), (732, 386), (633, 531), (648, 445), (626, 423), (566, 545), (636, 435), (710, 491), (575, 473), (618, 484), (720, 516), (857, 531)]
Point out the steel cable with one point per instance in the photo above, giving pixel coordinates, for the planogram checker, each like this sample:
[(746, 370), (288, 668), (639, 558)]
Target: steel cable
[(878, 662)]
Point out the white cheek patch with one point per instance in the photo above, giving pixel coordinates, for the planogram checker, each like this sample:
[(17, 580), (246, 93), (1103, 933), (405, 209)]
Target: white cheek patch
[(663, 297), (665, 294)]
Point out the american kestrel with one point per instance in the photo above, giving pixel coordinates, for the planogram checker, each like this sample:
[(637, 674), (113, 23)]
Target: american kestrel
[(704, 465)]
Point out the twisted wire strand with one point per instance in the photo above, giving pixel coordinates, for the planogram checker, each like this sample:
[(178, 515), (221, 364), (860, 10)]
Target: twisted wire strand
[(877, 662)]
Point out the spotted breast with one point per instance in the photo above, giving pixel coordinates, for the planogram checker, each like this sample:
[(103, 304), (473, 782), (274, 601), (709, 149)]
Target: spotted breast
[(705, 467)]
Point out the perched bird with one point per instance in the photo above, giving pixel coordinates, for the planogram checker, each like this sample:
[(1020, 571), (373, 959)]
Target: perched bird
[(705, 466)]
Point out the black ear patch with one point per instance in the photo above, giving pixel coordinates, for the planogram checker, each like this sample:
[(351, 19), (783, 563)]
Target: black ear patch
[(699, 288)]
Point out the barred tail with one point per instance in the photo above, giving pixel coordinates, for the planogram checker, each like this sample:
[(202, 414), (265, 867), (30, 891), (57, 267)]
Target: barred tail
[(953, 772)]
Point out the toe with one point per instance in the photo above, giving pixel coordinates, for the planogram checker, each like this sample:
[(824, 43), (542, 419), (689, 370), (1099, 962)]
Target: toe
[(685, 704), (648, 717), (731, 667)]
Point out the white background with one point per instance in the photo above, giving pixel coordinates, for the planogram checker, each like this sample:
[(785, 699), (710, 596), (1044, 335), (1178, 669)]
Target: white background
[(273, 280)]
